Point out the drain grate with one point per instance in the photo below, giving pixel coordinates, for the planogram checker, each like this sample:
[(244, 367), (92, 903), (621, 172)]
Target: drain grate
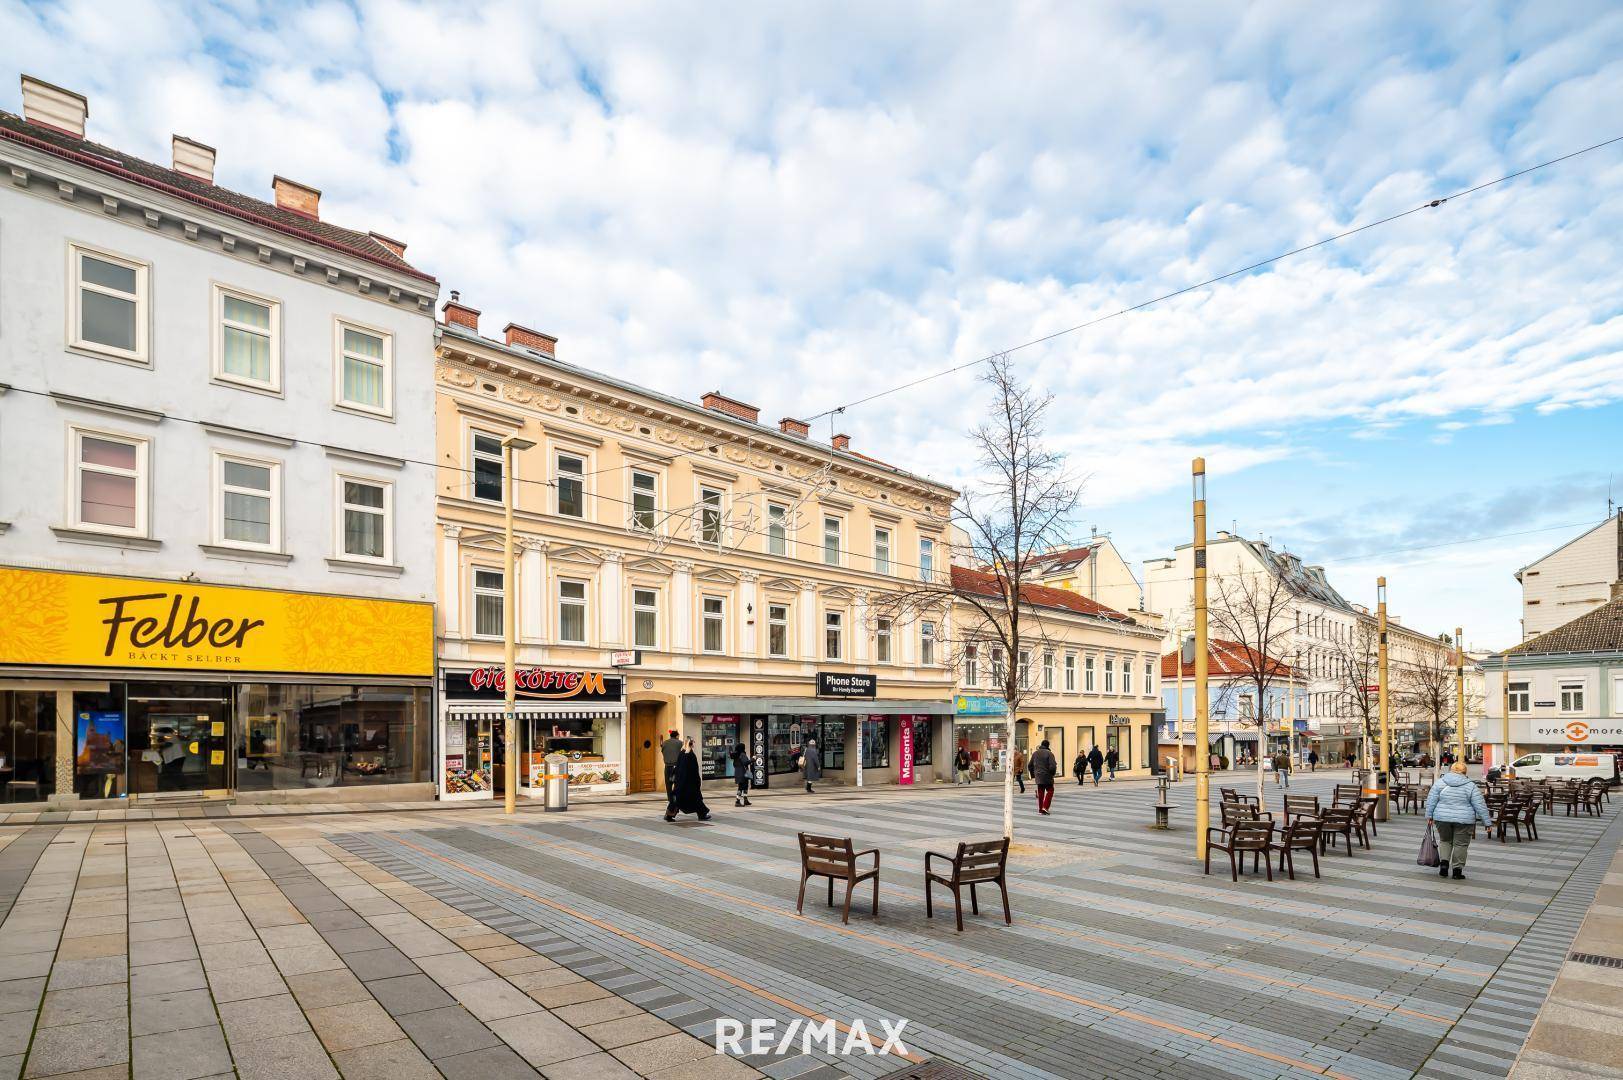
[(1596, 959), (932, 1070)]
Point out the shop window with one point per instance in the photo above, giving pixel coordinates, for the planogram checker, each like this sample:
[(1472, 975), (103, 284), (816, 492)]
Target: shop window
[(831, 541), (784, 737), (487, 468), (717, 737), (247, 329), (100, 743), (1120, 739), (572, 612), (927, 644), (881, 551), (876, 743), (644, 500), (777, 630), (830, 741), (715, 624), (487, 603), (569, 479), (110, 310), (110, 481), (28, 745), (922, 754), (364, 511), (364, 369), (645, 618), (833, 634), (249, 493), (777, 529), (1070, 672), (291, 736), (1521, 697), (710, 502), (881, 641)]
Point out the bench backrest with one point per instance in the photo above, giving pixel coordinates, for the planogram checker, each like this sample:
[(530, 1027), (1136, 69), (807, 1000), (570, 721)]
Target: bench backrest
[(1337, 817), (1302, 804), (983, 860), (1349, 792), (831, 855), (1235, 812), (1302, 832), (1252, 834)]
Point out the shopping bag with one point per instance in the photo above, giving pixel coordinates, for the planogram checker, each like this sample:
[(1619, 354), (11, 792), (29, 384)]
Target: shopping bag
[(1428, 850)]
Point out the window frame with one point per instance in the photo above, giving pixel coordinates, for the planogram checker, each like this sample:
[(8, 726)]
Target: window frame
[(883, 641), (999, 668), (1110, 675), (142, 476), (1524, 691), (273, 495), (582, 602), (1023, 658), (777, 543), (1089, 674), (476, 591), (633, 513), (387, 511), (1048, 671), (773, 623), (638, 608), (218, 294), (1149, 676), (703, 507), (475, 455), (386, 410), (142, 353), (1571, 696), (882, 564), (834, 624), (1127, 675), (926, 558), (579, 478), (927, 641), (972, 667), (718, 618), (1070, 673), (839, 540)]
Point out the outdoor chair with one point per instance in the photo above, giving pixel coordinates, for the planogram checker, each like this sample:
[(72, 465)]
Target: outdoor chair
[(1302, 834), (1363, 820), (1347, 794), (1594, 790), (1569, 795), (1529, 814), (1334, 822), (832, 857), (1253, 835), (1506, 816), (1236, 812), (983, 863), (1301, 806), (1405, 794)]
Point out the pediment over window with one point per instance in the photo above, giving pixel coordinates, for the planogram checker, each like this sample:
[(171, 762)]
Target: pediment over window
[(649, 566), (717, 577), (779, 584), (575, 554)]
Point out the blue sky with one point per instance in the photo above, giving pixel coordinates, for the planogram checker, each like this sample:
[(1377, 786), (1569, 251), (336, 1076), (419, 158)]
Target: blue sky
[(801, 204)]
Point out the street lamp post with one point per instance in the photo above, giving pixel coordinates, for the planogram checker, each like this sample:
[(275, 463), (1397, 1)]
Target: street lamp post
[(1459, 692), (1384, 770), (1203, 780), (509, 623)]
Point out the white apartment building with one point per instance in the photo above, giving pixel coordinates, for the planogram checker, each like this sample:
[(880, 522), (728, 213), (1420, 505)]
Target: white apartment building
[(212, 527), (1095, 570), (1573, 580)]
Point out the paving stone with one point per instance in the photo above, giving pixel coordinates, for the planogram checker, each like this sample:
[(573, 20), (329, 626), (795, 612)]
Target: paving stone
[(161, 951), (398, 1060), (242, 983), (319, 989), (354, 940), (409, 993), (445, 1032), (87, 948), (283, 1058), (85, 1004), (668, 1052), (77, 1047), (452, 968), (154, 1014), (94, 972), (261, 1018), (599, 1066), (595, 1012), (542, 1039), (359, 1023), (493, 999), (382, 963), (186, 1054), (611, 1034), (491, 1063), (15, 1030)]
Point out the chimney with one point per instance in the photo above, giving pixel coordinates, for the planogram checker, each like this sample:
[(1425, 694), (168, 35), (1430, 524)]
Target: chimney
[(717, 402), (459, 314), (54, 107), (396, 246), (841, 442), (296, 198), (798, 428), (193, 158), (522, 337)]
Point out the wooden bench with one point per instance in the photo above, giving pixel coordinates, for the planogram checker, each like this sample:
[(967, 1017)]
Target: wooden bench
[(832, 857), (982, 863)]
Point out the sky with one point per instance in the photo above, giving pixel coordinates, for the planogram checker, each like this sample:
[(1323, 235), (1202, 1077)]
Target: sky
[(802, 205)]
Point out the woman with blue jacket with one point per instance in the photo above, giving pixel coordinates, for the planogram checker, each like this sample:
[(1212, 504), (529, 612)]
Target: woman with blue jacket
[(1454, 806)]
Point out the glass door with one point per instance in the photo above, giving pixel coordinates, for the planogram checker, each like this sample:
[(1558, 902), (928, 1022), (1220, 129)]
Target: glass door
[(178, 740)]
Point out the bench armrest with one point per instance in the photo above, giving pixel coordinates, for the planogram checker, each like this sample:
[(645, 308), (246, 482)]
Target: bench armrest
[(871, 851), (928, 855)]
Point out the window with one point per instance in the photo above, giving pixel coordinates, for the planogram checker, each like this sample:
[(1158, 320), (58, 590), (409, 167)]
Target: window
[(831, 541), (926, 559), (1126, 675), (777, 629), (1521, 697), (363, 369), (833, 632), (921, 740), (644, 618), (1048, 669), (1025, 669), (1110, 675), (249, 503), (715, 624), (972, 675), (364, 509), (570, 478), (572, 611), (876, 743), (881, 641), (644, 497), (710, 515), (1572, 697), (999, 672), (777, 529), (487, 603), (927, 644), (487, 467), (247, 329), (110, 482), (1149, 677), (1070, 672), (109, 304), (1087, 675), (881, 551)]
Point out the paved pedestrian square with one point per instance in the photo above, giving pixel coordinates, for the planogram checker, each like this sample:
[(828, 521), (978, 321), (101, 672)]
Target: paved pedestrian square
[(606, 942)]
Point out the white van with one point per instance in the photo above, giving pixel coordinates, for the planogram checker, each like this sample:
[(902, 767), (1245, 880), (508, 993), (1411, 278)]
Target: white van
[(1564, 765)]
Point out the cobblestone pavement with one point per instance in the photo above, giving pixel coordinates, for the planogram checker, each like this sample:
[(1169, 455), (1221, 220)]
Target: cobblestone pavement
[(606, 942)]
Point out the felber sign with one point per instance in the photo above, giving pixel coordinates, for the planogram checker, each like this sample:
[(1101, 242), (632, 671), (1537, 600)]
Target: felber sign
[(846, 684)]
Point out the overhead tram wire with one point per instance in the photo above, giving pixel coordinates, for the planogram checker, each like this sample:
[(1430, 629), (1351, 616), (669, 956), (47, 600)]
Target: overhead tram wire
[(1429, 204)]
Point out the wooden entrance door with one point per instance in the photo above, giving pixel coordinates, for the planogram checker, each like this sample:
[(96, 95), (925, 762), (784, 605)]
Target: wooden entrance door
[(643, 774)]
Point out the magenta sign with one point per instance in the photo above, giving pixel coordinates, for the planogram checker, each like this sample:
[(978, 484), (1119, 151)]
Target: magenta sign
[(904, 762)]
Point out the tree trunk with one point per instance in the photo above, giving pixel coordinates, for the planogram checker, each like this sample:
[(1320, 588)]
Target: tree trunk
[(1262, 735), (1008, 778)]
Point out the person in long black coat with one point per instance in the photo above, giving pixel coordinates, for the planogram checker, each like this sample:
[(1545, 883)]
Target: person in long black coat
[(689, 796), (1096, 763)]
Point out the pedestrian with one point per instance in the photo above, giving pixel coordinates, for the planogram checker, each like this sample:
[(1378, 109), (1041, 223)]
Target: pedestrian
[(1282, 769), (1096, 763), (1453, 807), (670, 751), (1044, 767), (811, 764), (740, 758), (1112, 759), (689, 794), (1079, 768), (961, 764), (1312, 761), (1020, 768)]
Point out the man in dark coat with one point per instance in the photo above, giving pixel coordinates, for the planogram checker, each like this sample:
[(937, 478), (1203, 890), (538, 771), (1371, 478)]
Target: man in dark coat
[(1044, 768), (1079, 767), (688, 797), (1096, 763), (669, 751), (1112, 759)]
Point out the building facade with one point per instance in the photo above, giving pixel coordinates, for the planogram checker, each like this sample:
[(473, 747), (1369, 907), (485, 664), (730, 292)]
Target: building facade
[(679, 567), (211, 545), (1095, 570), (1574, 579), (1237, 728)]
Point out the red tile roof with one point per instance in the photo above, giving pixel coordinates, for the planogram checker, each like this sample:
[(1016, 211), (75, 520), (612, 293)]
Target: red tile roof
[(135, 170), (1226, 658), (1069, 555), (981, 583)]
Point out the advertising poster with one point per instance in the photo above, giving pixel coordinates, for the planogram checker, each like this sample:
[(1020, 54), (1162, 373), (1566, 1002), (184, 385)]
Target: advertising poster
[(758, 751), (904, 763), (99, 743)]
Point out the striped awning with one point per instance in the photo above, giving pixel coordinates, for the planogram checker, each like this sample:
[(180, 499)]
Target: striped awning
[(548, 712)]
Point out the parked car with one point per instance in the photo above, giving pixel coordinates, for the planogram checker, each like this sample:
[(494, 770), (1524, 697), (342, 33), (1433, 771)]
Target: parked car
[(1546, 765)]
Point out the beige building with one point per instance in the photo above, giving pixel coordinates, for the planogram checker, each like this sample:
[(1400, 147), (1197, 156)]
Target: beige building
[(1095, 570), (1574, 579), (681, 567)]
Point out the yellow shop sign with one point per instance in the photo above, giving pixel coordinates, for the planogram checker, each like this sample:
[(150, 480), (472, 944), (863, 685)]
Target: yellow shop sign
[(87, 620)]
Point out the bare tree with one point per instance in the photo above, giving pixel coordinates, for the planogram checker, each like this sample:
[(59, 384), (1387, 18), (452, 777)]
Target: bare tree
[(1427, 688), (1254, 612), (1356, 672), (1018, 507)]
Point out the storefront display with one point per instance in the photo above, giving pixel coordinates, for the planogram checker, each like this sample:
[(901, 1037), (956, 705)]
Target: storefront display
[(717, 737)]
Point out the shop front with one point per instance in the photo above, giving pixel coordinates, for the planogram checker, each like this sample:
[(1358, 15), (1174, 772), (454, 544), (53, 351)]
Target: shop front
[(114, 688), (1534, 735), (981, 728), (579, 714)]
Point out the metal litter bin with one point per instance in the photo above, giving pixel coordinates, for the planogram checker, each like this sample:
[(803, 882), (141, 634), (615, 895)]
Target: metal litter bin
[(556, 782)]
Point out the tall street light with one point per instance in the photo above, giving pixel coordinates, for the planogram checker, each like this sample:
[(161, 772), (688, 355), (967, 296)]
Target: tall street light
[(509, 622), (1459, 691), (1203, 780), (1385, 765)]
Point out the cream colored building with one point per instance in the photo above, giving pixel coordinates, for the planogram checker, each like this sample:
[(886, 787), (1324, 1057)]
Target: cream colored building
[(680, 566), (1574, 579), (1096, 570)]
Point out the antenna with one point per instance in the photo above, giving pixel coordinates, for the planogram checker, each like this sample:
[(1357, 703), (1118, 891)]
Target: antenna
[(1610, 505)]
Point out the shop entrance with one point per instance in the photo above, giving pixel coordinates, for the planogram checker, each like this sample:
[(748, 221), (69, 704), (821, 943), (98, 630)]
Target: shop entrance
[(644, 774), (1056, 745), (178, 741)]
